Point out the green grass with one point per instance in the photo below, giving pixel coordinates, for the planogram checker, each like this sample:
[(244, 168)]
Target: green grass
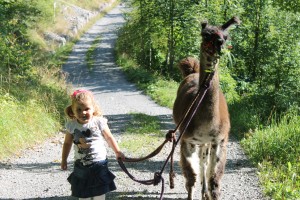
[(31, 109), (160, 89), (142, 135), (276, 149), (23, 124), (163, 92), (91, 53)]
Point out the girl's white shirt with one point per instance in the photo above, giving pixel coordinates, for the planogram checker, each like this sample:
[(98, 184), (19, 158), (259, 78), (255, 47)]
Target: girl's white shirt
[(89, 134)]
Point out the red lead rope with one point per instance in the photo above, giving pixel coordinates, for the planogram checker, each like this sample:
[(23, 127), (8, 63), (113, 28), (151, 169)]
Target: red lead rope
[(170, 136)]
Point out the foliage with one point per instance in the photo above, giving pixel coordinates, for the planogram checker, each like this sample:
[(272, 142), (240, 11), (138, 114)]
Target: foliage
[(149, 29), (17, 15), (19, 121), (247, 114), (277, 143), (15, 51), (277, 150), (227, 83), (280, 181), (292, 5), (268, 46)]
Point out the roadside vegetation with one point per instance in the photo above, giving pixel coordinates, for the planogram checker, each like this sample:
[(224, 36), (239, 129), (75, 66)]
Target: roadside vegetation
[(33, 91), (259, 75), (90, 54)]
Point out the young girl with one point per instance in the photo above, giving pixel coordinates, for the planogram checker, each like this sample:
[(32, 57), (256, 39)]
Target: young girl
[(88, 130)]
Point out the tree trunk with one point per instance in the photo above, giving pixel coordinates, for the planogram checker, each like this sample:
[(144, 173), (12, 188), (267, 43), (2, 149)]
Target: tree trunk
[(171, 36), (255, 61)]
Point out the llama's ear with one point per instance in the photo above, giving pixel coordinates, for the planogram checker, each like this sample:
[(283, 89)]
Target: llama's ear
[(204, 24), (234, 20)]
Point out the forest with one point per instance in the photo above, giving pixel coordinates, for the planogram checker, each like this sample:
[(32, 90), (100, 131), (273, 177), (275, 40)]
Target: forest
[(260, 72)]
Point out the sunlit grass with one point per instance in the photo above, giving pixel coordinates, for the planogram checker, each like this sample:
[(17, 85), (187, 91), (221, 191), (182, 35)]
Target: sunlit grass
[(161, 90), (23, 124), (142, 135), (277, 150), (90, 59), (31, 109)]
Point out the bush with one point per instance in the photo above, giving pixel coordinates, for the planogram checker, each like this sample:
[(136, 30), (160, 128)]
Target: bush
[(22, 124), (277, 151)]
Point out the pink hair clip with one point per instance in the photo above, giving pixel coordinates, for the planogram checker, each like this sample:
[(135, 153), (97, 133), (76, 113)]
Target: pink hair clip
[(80, 91)]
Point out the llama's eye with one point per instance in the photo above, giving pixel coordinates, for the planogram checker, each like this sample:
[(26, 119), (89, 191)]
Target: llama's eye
[(205, 37)]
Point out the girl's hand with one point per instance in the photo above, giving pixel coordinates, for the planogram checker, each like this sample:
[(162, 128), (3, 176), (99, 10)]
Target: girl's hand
[(64, 165), (120, 155), (66, 150)]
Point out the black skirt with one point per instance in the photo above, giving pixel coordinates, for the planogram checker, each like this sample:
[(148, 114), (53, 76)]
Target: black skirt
[(92, 180)]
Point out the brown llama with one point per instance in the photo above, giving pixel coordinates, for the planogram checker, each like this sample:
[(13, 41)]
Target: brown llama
[(203, 145)]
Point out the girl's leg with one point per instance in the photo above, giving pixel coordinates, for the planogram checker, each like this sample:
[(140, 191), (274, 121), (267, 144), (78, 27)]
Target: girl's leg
[(102, 197)]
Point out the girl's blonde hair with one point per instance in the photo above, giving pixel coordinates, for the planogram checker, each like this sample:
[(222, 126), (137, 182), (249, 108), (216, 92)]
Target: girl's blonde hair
[(81, 96)]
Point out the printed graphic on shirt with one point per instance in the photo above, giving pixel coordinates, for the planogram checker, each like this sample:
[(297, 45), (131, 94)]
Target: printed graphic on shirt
[(84, 140)]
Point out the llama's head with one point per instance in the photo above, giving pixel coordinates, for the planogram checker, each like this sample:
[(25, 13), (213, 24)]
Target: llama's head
[(214, 37)]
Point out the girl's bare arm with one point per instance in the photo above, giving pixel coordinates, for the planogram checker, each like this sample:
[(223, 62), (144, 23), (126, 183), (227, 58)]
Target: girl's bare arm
[(112, 143), (66, 150)]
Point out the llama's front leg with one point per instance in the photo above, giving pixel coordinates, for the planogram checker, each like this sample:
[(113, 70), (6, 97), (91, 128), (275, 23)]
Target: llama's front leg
[(204, 155), (189, 166), (217, 161)]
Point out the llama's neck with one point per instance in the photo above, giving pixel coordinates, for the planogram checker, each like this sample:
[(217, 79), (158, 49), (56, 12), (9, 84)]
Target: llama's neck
[(209, 64), (212, 97)]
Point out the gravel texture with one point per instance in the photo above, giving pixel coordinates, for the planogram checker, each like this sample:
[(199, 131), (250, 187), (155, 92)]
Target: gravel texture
[(36, 174)]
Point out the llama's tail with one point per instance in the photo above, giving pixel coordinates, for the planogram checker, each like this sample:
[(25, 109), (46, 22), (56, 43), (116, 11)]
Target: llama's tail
[(189, 65)]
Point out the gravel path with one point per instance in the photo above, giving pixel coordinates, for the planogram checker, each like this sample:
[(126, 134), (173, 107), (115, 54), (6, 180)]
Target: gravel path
[(36, 173)]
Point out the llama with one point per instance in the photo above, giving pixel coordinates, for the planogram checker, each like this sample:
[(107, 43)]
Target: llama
[(203, 145)]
